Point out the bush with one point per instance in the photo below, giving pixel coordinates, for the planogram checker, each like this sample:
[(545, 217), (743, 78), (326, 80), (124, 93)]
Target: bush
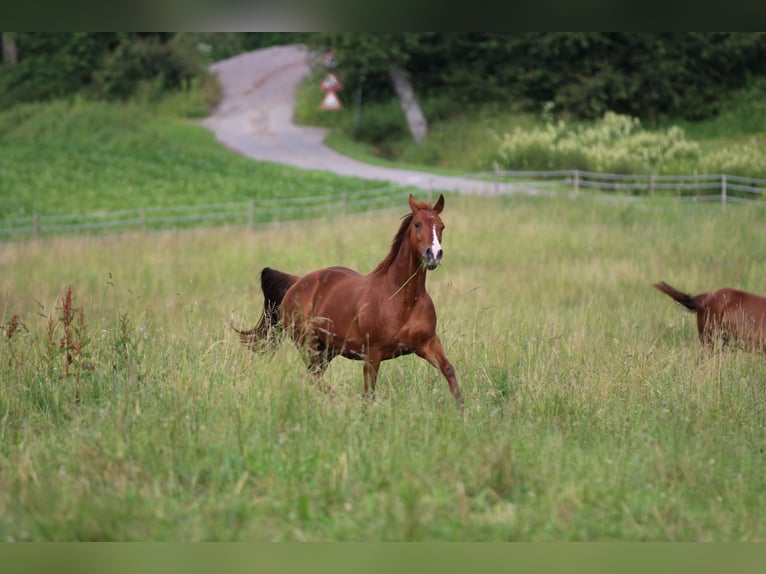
[(381, 124), (740, 158), (112, 65), (140, 62), (615, 143), (51, 65)]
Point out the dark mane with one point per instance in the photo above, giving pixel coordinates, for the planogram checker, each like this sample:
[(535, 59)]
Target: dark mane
[(395, 244)]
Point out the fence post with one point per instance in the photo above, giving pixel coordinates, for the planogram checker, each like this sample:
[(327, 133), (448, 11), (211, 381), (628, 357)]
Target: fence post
[(251, 214), (37, 226), (576, 181), (651, 185), (497, 181), (723, 189), (345, 202), (142, 217)]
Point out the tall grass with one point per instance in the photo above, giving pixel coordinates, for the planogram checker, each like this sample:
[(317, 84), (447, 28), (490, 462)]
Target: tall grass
[(591, 411)]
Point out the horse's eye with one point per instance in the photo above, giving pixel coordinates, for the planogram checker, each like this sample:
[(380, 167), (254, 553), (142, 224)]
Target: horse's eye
[(417, 225)]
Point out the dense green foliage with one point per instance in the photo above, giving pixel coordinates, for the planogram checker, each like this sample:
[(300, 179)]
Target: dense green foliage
[(117, 64), (53, 65), (481, 138), (130, 412), (584, 74)]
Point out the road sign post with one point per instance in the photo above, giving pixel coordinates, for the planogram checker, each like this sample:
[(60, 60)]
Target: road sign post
[(330, 85)]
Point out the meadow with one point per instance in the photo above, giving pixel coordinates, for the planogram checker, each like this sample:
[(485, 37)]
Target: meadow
[(79, 156), (128, 410)]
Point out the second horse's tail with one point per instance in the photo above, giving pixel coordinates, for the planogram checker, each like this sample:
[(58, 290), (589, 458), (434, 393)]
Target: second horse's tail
[(684, 299), (274, 285)]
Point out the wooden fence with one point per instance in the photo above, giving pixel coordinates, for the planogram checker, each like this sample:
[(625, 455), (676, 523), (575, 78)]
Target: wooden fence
[(722, 188), (246, 213), (711, 187)]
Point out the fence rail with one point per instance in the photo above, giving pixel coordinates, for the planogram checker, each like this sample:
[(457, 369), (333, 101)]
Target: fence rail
[(247, 213), (703, 188)]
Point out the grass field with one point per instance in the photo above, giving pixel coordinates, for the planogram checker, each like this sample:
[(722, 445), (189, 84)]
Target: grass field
[(131, 413), (75, 157), (78, 156)]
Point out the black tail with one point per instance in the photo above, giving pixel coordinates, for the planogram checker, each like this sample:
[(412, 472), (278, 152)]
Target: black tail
[(684, 299), (274, 285)]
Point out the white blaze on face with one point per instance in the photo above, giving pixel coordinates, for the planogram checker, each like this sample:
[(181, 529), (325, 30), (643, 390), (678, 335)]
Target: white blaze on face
[(435, 245)]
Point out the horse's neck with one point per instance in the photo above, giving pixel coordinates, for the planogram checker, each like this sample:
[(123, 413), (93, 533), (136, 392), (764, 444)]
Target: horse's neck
[(407, 276)]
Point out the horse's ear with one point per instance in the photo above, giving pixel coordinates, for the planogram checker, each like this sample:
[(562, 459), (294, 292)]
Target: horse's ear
[(413, 205), (439, 205)]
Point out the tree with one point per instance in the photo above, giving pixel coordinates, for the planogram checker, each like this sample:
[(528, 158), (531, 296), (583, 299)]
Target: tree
[(10, 55), (54, 65), (410, 106)]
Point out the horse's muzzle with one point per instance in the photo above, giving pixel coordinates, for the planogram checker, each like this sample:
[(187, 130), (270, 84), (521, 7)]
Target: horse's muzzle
[(432, 261)]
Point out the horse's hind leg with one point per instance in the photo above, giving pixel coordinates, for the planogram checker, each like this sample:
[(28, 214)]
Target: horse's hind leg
[(705, 331), (371, 366), (317, 359), (712, 331), (316, 363)]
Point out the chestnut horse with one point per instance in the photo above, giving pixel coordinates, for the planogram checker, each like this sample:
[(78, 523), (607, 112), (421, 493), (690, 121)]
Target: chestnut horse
[(371, 318), (727, 313)]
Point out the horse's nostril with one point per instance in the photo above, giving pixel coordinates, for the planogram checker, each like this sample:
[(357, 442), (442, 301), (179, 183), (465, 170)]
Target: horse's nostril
[(429, 254)]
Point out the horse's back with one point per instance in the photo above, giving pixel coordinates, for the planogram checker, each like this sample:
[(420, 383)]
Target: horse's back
[(738, 313), (344, 270), (329, 277), (327, 304), (323, 286), (735, 299)]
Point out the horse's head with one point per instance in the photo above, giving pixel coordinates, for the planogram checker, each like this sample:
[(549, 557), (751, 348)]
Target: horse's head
[(425, 232)]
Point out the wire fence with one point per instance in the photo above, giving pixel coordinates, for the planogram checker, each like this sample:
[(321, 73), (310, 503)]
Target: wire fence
[(257, 212)]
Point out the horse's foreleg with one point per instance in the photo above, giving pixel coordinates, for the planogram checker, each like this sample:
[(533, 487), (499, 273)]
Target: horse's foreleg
[(433, 352)]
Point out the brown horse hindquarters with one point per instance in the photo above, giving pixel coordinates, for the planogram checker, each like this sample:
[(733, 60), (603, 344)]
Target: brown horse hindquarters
[(274, 285), (738, 314), (729, 313), (316, 310)]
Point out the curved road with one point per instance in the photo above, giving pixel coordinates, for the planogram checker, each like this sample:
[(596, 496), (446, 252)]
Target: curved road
[(254, 118)]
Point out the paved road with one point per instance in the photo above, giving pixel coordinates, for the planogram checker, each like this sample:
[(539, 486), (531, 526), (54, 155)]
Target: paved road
[(254, 118)]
